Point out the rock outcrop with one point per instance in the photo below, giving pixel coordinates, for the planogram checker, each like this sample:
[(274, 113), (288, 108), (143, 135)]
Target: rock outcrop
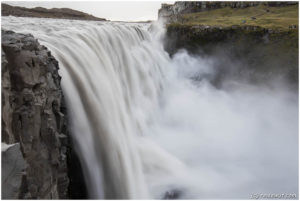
[(259, 49), (257, 53), (59, 13), (33, 116)]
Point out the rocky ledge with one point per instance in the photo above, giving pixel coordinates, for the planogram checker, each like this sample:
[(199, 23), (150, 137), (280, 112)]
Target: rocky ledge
[(34, 156), (58, 13), (252, 41), (256, 53)]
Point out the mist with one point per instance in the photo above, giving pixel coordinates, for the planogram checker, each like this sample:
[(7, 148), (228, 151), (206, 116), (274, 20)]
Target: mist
[(235, 141)]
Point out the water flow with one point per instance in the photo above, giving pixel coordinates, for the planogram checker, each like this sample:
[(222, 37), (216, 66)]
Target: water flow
[(144, 128), (112, 77)]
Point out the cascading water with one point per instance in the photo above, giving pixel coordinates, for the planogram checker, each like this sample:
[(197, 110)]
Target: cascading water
[(112, 80), (144, 129)]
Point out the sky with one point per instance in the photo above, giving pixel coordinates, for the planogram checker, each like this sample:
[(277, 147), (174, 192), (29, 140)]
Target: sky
[(111, 10)]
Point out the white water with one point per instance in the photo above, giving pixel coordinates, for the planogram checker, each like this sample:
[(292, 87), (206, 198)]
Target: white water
[(142, 127)]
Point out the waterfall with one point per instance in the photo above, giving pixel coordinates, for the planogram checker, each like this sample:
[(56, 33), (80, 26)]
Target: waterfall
[(143, 128), (108, 89), (112, 77)]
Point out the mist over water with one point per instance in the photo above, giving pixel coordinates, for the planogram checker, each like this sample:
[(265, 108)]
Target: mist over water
[(234, 141), (146, 125)]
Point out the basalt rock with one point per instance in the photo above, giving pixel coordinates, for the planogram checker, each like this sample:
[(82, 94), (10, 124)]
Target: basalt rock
[(33, 116), (256, 53)]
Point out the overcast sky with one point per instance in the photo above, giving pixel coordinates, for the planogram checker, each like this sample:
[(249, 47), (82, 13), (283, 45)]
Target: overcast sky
[(111, 10)]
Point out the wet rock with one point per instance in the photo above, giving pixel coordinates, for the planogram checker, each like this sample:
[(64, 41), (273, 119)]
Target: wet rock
[(32, 116), (172, 194)]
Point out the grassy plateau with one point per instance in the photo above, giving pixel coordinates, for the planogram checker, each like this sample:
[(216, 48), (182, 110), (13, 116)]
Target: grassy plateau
[(267, 17)]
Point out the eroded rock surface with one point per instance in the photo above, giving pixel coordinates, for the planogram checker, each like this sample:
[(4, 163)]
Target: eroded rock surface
[(33, 116)]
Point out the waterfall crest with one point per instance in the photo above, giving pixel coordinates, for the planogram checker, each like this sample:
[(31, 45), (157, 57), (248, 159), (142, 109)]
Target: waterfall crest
[(112, 78)]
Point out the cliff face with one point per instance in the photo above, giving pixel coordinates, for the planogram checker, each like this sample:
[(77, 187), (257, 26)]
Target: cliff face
[(255, 41), (250, 53), (33, 116), (59, 13)]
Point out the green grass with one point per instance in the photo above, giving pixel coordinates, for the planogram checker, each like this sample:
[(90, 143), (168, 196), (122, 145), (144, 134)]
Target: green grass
[(276, 18)]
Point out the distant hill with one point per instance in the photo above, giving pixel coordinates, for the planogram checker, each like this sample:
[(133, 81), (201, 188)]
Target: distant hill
[(58, 13)]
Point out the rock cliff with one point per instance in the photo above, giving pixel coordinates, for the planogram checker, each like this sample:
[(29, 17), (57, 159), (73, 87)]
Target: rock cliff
[(256, 41), (59, 13), (257, 53), (33, 116)]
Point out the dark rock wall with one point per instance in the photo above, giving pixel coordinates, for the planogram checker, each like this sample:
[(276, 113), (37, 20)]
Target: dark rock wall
[(253, 53), (33, 116)]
